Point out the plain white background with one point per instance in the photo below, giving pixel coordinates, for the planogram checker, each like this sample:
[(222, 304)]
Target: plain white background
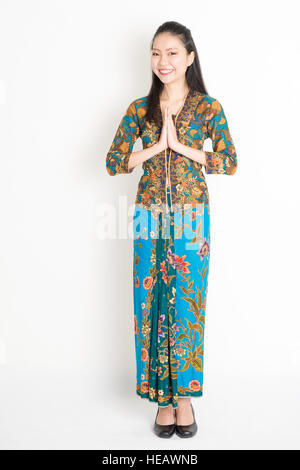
[(68, 70)]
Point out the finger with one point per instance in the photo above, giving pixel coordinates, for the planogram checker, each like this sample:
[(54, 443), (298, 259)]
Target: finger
[(166, 114)]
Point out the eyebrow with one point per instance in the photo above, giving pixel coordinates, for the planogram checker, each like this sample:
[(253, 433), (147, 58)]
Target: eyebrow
[(155, 49)]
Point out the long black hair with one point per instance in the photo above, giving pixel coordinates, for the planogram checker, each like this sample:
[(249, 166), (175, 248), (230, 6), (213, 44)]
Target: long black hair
[(193, 73)]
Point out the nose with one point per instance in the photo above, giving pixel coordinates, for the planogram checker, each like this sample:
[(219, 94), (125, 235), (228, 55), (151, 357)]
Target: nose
[(163, 61), (162, 64)]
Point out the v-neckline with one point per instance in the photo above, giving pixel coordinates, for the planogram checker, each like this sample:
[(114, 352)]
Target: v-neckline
[(183, 118), (180, 109)]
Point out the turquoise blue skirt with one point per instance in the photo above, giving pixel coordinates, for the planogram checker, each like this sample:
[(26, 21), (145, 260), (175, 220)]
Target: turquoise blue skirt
[(170, 278)]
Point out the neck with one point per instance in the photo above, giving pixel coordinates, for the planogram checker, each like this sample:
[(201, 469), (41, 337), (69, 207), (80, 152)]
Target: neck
[(174, 92)]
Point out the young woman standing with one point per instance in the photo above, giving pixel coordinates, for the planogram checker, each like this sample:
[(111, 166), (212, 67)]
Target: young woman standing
[(172, 223)]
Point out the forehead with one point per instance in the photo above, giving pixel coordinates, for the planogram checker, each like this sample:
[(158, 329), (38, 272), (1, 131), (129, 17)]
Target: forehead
[(166, 42)]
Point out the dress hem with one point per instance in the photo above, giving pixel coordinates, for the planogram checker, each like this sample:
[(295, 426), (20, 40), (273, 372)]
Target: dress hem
[(197, 394)]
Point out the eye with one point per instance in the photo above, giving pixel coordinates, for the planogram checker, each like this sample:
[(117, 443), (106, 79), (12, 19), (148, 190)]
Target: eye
[(172, 53)]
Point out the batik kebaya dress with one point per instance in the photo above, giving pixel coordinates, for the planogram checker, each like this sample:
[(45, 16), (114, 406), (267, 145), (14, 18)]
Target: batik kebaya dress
[(171, 243)]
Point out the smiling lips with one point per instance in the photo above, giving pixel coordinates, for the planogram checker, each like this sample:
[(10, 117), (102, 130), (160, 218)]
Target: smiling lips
[(165, 71)]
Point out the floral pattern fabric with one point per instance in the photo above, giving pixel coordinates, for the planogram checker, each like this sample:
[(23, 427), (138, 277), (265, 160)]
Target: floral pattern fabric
[(172, 243), (200, 118), (170, 279)]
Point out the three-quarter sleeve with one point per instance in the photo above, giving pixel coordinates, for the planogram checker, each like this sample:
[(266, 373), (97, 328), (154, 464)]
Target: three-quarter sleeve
[(121, 148), (223, 159)]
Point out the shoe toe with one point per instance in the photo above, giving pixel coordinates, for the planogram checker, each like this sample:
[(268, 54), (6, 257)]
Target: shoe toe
[(164, 431), (186, 431)]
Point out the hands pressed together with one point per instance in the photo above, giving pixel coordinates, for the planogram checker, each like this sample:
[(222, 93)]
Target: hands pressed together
[(168, 137)]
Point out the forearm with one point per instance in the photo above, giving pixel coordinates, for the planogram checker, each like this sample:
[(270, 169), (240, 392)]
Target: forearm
[(136, 158), (192, 153)]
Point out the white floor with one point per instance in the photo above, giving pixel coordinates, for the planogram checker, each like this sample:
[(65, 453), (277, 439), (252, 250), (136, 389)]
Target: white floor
[(46, 410)]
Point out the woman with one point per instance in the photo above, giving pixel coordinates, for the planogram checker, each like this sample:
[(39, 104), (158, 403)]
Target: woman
[(172, 223)]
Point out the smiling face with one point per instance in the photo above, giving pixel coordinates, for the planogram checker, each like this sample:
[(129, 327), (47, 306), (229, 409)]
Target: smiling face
[(169, 58)]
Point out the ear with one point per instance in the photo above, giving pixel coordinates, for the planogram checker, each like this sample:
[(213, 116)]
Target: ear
[(191, 58)]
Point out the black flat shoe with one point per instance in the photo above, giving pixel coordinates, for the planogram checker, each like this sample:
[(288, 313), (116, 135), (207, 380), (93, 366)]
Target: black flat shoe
[(164, 430), (188, 430)]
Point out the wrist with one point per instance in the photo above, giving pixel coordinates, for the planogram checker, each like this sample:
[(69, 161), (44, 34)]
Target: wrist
[(204, 161), (179, 147), (157, 147)]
